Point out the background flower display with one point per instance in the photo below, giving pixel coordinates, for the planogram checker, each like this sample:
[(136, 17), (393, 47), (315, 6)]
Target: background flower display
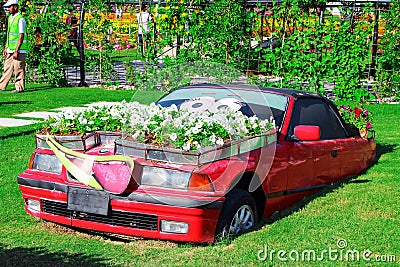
[(163, 126), (358, 117)]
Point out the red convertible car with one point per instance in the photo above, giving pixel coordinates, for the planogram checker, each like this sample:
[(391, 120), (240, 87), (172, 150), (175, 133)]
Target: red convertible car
[(178, 195)]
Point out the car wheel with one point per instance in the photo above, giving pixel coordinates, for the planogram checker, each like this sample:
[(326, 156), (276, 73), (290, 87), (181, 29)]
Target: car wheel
[(238, 215)]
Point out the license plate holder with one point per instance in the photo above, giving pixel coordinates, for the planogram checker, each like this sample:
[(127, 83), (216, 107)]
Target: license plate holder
[(88, 200)]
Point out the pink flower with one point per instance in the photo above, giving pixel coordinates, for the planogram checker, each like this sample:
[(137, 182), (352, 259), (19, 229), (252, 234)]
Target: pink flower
[(118, 47), (357, 112), (357, 117)]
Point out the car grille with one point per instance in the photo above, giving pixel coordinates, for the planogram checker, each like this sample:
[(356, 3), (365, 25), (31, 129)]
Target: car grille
[(117, 218)]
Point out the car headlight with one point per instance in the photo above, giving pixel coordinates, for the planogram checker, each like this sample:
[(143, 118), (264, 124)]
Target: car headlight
[(161, 177), (165, 177), (47, 163), (174, 227), (32, 204)]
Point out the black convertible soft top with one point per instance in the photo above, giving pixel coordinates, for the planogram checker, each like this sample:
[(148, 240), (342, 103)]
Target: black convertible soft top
[(285, 91)]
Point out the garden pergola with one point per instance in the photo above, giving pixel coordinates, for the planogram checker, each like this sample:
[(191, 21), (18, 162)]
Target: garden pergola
[(349, 8)]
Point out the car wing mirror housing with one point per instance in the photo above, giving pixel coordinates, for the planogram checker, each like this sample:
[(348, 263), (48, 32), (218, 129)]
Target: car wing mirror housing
[(307, 133)]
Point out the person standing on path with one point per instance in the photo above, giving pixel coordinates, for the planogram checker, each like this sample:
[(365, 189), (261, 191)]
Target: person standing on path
[(143, 18), (15, 48)]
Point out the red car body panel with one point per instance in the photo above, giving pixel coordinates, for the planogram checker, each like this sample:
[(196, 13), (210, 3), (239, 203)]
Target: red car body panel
[(287, 174), (202, 221)]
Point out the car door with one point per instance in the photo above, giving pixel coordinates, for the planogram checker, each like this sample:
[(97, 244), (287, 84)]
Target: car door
[(313, 164)]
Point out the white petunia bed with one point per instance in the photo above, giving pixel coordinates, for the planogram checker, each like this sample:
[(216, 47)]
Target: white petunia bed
[(160, 126)]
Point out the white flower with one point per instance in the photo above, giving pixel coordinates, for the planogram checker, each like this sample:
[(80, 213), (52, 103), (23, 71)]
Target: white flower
[(186, 146), (136, 134), (178, 122), (194, 130), (199, 124), (213, 138), (173, 136), (82, 120), (174, 107), (219, 141), (195, 143), (70, 115)]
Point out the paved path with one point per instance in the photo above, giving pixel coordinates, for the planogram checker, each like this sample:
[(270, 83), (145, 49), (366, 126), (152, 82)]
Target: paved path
[(93, 78), (35, 117)]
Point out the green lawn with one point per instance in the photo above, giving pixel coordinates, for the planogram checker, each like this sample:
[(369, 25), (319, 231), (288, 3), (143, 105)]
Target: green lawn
[(363, 211), (44, 97)]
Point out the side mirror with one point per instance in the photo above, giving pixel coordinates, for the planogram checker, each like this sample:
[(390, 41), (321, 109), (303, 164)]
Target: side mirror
[(307, 132)]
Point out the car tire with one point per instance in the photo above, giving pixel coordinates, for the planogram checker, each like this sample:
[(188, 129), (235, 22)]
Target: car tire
[(238, 215)]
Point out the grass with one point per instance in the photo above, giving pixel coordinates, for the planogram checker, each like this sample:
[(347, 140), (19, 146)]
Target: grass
[(363, 211), (43, 98)]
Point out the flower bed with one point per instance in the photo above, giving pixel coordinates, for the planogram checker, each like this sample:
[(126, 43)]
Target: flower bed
[(160, 126), (358, 117)]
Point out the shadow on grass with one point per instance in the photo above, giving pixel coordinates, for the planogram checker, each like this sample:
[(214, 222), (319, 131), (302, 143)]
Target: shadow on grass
[(16, 102), (122, 58), (382, 149), (278, 215), (309, 198), (40, 256), (15, 134), (40, 88)]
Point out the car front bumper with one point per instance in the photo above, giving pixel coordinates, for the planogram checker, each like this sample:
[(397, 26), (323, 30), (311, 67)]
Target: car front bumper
[(134, 215)]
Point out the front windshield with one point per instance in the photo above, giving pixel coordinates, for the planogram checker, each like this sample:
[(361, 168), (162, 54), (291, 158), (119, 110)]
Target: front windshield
[(250, 102)]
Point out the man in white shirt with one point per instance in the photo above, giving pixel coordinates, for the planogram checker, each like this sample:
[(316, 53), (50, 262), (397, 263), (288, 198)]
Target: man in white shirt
[(15, 48), (143, 18)]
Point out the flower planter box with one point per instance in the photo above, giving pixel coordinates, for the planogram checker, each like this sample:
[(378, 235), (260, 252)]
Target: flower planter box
[(202, 156), (124, 146), (77, 142), (363, 133), (367, 133), (108, 138)]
